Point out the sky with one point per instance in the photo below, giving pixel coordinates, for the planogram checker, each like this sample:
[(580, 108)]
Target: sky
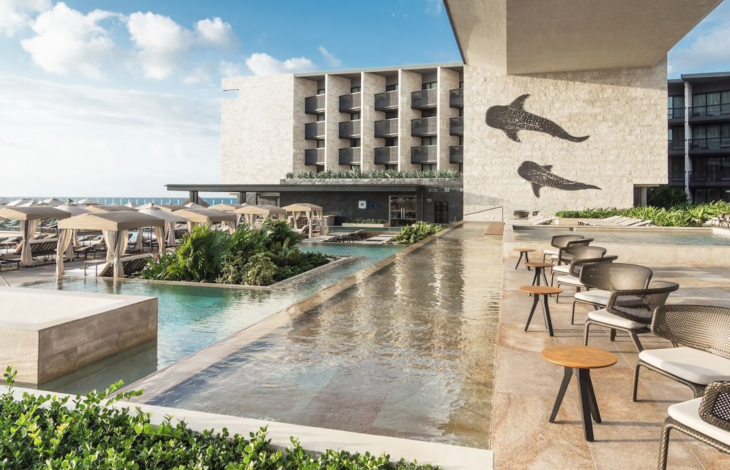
[(117, 98)]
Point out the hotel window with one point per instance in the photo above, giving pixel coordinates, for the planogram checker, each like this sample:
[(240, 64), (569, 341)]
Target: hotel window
[(676, 138), (711, 137), (320, 91), (354, 143), (391, 115), (354, 116), (428, 141), (429, 86), (391, 167), (711, 104), (427, 113), (320, 144), (676, 107), (320, 117), (391, 87), (391, 142), (320, 168), (430, 167), (355, 89)]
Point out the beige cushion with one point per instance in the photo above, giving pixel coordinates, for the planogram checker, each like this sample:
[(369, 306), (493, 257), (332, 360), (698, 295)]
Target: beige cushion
[(572, 280), (697, 366), (561, 269), (609, 318), (550, 251), (597, 296), (688, 413)]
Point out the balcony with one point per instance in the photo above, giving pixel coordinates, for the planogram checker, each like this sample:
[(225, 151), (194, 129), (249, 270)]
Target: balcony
[(456, 154), (675, 148), (386, 155), (350, 129), (710, 113), (424, 155), (676, 179), (350, 156), (314, 157), (675, 115), (710, 146), (424, 127), (424, 99), (456, 98), (314, 130), (698, 179), (456, 126), (387, 101), (351, 103), (314, 104), (386, 128)]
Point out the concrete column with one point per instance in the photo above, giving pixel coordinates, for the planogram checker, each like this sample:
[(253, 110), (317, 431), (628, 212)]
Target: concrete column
[(334, 88), (687, 137), (408, 82), (371, 84), (447, 80), (193, 196), (303, 89)]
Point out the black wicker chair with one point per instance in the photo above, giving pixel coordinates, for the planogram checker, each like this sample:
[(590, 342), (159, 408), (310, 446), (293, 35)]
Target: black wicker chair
[(566, 257), (706, 419), (631, 311), (703, 331), (574, 252), (575, 276), (558, 242)]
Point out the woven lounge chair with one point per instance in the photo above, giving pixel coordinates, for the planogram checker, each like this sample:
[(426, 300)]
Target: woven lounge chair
[(558, 242), (574, 252), (706, 419), (631, 311), (574, 277), (704, 357), (131, 264)]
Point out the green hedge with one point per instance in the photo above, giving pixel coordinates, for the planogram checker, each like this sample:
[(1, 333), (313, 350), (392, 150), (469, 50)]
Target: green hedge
[(382, 174), (417, 232), (45, 432), (678, 216)]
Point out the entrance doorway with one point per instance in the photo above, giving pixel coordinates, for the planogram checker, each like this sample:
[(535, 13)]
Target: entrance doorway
[(441, 212)]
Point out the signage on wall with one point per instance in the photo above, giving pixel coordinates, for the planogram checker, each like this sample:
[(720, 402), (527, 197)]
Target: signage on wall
[(362, 204), (368, 205)]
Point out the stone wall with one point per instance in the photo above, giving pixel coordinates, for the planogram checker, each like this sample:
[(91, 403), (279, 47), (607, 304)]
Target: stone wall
[(622, 111)]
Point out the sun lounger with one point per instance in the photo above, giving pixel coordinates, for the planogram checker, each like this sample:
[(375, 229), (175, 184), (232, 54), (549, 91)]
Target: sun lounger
[(131, 264), (38, 248), (539, 220)]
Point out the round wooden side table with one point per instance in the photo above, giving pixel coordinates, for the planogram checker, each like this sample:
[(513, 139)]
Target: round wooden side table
[(539, 269), (545, 292), (578, 361), (523, 252)]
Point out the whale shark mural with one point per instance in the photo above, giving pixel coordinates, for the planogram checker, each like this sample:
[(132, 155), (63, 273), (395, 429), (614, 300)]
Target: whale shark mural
[(513, 118), (541, 176)]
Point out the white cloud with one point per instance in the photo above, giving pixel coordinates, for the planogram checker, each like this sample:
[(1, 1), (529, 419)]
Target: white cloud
[(229, 69), (706, 48), (215, 33), (66, 40), (434, 7), (329, 57), (264, 64), (199, 75), (15, 15)]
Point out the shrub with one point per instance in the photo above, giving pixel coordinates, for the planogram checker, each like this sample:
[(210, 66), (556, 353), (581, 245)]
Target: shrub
[(666, 196), (259, 270), (366, 221), (383, 174), (417, 232), (684, 215), (45, 432)]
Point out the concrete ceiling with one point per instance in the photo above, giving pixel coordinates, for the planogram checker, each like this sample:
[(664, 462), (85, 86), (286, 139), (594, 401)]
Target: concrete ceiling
[(534, 36)]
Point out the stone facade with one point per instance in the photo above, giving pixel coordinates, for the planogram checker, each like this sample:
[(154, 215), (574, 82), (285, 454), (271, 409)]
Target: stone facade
[(623, 111)]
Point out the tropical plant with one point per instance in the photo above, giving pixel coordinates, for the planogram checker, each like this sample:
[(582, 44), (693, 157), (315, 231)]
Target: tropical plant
[(417, 232), (382, 174), (366, 221), (684, 215), (260, 270), (666, 196)]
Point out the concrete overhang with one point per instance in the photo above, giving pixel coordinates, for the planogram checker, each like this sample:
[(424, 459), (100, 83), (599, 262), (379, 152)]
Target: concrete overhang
[(528, 36)]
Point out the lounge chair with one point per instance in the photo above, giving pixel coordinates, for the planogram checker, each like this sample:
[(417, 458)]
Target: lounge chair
[(45, 248), (131, 264), (558, 242)]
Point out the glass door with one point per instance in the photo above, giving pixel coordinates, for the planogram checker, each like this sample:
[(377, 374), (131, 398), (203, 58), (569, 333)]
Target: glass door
[(403, 210)]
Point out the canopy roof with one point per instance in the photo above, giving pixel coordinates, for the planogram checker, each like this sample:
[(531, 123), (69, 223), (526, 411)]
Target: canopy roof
[(302, 207), (73, 209), (114, 221), (54, 202), (192, 205), (168, 217), (103, 209), (4, 201), (205, 216), (32, 213), (168, 207), (21, 202), (227, 207), (88, 202), (261, 210)]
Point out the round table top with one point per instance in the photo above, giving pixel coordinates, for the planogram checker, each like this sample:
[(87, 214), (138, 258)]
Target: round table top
[(538, 265), (579, 357), (541, 290), (524, 250)]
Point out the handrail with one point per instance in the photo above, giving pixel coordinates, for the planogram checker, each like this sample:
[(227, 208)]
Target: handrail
[(485, 210)]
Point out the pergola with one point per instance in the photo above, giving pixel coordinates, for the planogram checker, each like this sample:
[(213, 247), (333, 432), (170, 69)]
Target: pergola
[(170, 220), (251, 213), (207, 216), (115, 227), (166, 207), (227, 207), (30, 218), (101, 209), (310, 211)]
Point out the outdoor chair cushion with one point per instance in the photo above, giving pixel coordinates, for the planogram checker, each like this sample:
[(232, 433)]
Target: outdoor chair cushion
[(690, 364), (572, 280), (688, 413), (602, 316), (596, 296), (562, 269), (550, 251)]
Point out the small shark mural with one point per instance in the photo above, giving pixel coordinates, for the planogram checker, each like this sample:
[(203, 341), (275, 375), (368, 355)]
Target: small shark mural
[(513, 118), (541, 176)]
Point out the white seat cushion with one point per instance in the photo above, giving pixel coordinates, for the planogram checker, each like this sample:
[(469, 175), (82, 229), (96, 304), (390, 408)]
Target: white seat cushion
[(597, 296), (690, 364), (550, 251), (688, 413), (572, 280), (609, 318), (561, 269)]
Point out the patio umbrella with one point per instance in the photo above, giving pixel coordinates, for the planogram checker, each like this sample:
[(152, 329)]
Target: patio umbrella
[(24, 202), (130, 205), (192, 205), (53, 202), (88, 202), (4, 201)]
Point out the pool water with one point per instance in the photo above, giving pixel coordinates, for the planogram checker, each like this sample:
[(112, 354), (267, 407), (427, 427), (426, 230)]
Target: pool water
[(628, 237), (366, 229), (193, 318)]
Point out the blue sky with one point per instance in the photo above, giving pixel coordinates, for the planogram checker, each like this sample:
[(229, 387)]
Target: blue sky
[(119, 97)]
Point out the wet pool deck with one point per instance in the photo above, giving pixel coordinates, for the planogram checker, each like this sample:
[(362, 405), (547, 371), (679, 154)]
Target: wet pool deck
[(526, 386)]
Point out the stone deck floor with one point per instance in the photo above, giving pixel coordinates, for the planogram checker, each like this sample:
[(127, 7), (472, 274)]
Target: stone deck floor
[(526, 386)]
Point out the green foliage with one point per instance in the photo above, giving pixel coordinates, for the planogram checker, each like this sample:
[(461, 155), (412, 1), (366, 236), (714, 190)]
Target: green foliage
[(366, 221), (46, 432), (259, 270), (382, 174), (417, 232), (307, 262), (666, 196), (684, 215)]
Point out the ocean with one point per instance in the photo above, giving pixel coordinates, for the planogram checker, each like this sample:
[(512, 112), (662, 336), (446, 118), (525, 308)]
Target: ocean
[(137, 201)]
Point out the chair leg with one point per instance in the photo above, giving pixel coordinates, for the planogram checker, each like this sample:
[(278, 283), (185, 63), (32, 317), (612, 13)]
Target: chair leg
[(635, 386), (585, 334), (635, 339), (664, 445), (612, 334), (572, 315)]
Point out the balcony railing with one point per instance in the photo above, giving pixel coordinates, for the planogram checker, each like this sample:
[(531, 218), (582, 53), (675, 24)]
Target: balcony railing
[(386, 101), (350, 103), (675, 113), (350, 129), (456, 98), (314, 104), (676, 147), (386, 128), (314, 130), (386, 155), (424, 127), (710, 178), (424, 99), (350, 156), (676, 178), (456, 126), (424, 155), (710, 112), (314, 157), (456, 154), (710, 145)]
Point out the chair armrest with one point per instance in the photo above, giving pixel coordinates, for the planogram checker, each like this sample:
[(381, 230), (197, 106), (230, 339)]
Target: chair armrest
[(715, 405)]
